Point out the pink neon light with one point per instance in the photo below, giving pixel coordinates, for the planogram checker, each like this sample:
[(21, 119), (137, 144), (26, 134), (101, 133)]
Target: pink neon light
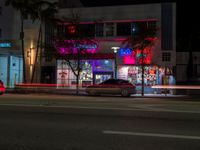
[(129, 60), (73, 46), (176, 87)]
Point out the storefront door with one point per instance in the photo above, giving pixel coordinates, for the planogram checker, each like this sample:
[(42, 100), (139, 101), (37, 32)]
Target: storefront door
[(102, 76)]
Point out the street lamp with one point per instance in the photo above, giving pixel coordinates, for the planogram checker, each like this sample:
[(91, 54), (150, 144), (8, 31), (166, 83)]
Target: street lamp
[(115, 50), (29, 55)]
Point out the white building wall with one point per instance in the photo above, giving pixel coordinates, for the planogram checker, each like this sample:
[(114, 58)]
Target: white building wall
[(124, 13)]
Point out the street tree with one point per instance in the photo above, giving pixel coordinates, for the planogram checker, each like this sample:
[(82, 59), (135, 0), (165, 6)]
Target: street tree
[(146, 37), (33, 9), (72, 45), (44, 11)]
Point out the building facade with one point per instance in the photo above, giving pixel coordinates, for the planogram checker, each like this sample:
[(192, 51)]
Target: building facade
[(185, 67), (111, 56), (10, 49)]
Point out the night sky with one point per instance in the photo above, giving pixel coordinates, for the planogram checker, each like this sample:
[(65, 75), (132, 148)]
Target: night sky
[(187, 14)]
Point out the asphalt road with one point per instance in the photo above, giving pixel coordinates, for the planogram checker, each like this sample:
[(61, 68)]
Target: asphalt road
[(51, 131), (23, 128)]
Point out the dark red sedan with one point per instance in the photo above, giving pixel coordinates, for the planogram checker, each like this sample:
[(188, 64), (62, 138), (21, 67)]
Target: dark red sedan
[(112, 86)]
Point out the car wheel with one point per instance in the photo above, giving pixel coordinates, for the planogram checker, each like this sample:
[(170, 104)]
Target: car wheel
[(125, 93)]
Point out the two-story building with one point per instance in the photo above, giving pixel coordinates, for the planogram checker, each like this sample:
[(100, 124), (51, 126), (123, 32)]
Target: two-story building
[(110, 27)]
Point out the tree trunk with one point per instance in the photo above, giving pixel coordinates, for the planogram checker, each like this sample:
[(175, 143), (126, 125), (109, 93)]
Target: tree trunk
[(37, 52), (142, 92), (77, 84), (22, 44), (78, 73)]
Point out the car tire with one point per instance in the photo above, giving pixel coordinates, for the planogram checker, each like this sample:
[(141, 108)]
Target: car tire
[(125, 93)]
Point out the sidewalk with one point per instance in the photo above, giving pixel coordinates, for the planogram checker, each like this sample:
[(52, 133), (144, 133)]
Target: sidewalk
[(72, 91)]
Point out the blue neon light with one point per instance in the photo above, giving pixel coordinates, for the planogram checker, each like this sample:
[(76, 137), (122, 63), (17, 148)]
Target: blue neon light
[(5, 45), (125, 51), (84, 46)]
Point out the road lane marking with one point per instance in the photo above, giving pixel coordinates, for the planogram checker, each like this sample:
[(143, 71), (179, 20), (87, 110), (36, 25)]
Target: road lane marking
[(52, 105), (152, 135)]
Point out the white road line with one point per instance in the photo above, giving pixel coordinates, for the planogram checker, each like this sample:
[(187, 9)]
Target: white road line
[(152, 135)]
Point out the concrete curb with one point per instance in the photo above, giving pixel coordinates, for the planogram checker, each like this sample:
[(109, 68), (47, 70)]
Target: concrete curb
[(81, 93)]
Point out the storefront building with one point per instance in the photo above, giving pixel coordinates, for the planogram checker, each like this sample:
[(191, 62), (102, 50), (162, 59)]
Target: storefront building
[(10, 51), (111, 30)]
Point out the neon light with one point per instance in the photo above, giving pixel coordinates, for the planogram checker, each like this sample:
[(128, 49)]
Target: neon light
[(71, 29), (176, 87), (73, 46), (84, 46), (129, 60), (125, 51), (5, 45)]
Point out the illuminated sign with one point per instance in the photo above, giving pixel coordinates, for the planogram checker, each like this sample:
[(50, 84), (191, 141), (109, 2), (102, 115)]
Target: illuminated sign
[(125, 51), (5, 45), (85, 46)]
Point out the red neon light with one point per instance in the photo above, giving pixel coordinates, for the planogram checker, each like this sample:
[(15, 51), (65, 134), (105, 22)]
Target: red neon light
[(71, 29)]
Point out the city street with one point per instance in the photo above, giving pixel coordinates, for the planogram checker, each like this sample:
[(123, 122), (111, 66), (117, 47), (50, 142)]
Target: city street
[(30, 122)]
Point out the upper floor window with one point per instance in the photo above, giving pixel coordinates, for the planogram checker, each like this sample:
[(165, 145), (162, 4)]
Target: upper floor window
[(86, 30), (123, 29), (109, 29), (99, 29), (166, 56), (138, 28)]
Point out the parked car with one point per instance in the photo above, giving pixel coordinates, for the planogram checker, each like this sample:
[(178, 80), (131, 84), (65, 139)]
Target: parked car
[(112, 86), (2, 88)]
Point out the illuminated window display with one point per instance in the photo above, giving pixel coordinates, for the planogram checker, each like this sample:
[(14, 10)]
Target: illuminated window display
[(134, 74), (153, 75), (92, 71), (86, 76)]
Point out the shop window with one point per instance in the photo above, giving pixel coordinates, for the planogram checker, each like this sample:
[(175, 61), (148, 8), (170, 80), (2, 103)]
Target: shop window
[(99, 30), (87, 30), (109, 29), (103, 65), (166, 56), (123, 29)]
